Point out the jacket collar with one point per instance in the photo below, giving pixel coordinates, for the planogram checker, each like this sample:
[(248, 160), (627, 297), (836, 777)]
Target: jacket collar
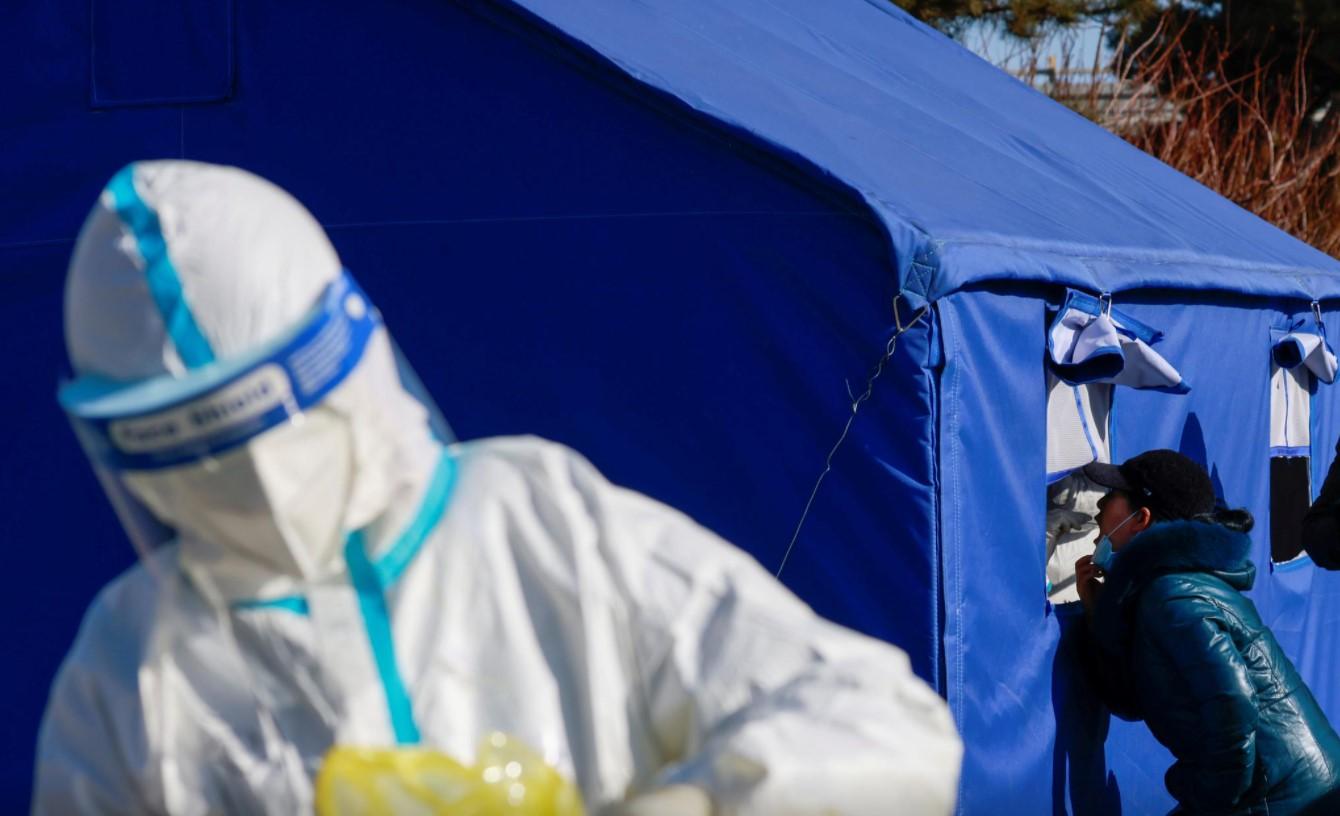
[(1165, 549)]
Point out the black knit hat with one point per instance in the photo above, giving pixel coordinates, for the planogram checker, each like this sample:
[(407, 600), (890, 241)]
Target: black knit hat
[(1171, 485)]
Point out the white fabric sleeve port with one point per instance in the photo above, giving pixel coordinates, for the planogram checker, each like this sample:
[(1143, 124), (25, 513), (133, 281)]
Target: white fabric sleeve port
[(1304, 347), (1089, 341), (754, 698), (1299, 354)]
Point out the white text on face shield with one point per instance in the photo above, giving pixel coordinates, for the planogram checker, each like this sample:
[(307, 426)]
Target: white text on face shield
[(254, 395)]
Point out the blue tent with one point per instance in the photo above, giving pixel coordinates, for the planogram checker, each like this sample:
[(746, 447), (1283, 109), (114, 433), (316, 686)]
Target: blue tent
[(670, 233)]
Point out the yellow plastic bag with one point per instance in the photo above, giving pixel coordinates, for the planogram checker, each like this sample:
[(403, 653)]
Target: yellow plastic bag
[(507, 779)]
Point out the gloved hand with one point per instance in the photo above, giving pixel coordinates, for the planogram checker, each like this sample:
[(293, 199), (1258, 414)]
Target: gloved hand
[(1061, 521), (673, 800)]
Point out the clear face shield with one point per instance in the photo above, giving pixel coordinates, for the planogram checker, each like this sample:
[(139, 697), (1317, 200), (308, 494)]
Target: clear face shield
[(255, 450)]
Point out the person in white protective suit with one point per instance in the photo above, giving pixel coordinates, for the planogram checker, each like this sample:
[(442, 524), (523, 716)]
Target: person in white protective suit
[(322, 567)]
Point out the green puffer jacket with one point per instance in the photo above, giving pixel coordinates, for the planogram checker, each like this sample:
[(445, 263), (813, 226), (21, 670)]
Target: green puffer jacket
[(1177, 644)]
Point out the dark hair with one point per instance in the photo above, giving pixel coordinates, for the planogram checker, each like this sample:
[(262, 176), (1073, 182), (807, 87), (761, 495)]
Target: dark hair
[(1239, 520)]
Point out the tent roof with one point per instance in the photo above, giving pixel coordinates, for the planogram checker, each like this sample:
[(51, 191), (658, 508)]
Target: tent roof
[(975, 175)]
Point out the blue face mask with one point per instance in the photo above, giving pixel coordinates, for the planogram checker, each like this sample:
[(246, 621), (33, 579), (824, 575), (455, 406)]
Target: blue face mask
[(1104, 556)]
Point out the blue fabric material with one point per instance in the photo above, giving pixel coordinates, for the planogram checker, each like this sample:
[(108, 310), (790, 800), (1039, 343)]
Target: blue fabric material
[(159, 272), (1282, 450), (1298, 563), (961, 162), (1000, 638), (377, 623), (670, 238), (1091, 305), (143, 52)]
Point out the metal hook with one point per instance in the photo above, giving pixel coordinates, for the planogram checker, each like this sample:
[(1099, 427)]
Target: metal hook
[(1105, 303), (898, 317), (1316, 313)]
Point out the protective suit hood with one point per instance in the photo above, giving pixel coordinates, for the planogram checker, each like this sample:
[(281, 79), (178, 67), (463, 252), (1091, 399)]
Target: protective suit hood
[(237, 391)]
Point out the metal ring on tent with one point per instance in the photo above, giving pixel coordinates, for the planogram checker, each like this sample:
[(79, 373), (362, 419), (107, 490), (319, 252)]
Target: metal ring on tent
[(1105, 301), (898, 320), (1316, 313), (901, 328)]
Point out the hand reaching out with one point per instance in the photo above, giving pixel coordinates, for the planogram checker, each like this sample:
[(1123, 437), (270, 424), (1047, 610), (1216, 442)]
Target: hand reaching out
[(1088, 582)]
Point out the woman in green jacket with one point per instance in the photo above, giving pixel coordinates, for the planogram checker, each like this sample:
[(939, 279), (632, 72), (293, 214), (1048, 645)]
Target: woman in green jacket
[(1173, 641)]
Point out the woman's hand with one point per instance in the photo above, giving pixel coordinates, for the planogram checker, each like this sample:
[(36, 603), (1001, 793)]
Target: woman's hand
[(1089, 582)]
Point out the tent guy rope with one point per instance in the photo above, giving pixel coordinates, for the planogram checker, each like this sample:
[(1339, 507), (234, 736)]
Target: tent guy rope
[(900, 329)]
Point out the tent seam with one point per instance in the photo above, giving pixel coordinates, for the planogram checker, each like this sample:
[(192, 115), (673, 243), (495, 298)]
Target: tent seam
[(1133, 257), (957, 616)]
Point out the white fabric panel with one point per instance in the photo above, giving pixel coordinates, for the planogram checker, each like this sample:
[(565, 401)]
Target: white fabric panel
[(1145, 368), (1290, 408), (1079, 336), (1077, 424)]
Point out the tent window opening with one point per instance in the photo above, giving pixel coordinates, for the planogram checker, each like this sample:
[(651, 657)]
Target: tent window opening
[(1078, 428), (1300, 358), (1091, 349)]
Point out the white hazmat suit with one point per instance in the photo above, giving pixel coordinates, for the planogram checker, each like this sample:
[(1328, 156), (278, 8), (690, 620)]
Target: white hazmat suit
[(320, 568)]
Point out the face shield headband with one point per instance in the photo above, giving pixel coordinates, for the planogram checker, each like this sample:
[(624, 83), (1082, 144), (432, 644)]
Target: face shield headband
[(170, 421)]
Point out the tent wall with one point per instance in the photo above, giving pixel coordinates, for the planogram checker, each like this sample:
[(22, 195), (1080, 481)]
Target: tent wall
[(556, 255), (999, 640), (1037, 739)]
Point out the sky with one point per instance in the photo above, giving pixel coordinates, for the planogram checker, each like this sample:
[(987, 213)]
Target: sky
[(1080, 42)]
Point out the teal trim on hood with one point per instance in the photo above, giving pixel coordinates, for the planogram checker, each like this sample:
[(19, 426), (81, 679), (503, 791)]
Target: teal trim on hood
[(159, 271), (381, 639), (392, 563)]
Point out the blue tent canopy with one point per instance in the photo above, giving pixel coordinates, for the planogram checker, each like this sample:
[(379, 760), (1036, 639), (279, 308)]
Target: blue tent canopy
[(955, 158), (669, 233)]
